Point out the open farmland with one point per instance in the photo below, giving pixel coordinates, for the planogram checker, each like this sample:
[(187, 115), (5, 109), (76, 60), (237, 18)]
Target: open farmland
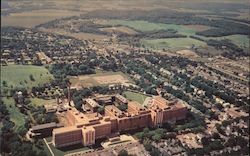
[(172, 43), (35, 17), (148, 26), (79, 35), (105, 78), (19, 75)]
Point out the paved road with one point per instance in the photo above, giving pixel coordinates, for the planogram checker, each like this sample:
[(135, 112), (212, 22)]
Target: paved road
[(48, 147)]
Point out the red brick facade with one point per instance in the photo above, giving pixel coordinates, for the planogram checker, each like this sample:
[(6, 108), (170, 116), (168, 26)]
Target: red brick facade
[(95, 126)]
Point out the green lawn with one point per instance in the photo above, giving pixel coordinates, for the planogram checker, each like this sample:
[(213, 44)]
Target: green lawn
[(172, 43), (41, 102), (64, 151), (91, 80), (15, 115), (134, 96), (19, 75)]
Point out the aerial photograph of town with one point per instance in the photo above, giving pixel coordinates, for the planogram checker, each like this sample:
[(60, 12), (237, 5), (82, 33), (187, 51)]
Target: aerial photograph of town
[(125, 78)]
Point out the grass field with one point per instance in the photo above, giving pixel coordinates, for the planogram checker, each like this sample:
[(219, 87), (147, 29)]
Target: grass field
[(119, 29), (19, 75), (100, 78), (172, 43), (240, 40), (64, 151), (134, 96), (197, 27), (15, 115), (41, 102)]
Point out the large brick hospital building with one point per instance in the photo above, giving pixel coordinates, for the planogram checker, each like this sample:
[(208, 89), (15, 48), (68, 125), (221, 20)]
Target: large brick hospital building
[(85, 128)]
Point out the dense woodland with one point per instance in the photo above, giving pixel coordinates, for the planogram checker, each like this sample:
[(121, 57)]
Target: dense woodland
[(13, 141)]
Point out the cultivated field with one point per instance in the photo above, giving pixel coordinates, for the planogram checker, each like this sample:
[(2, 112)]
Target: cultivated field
[(134, 96), (32, 18), (80, 35), (19, 75), (188, 30), (105, 78), (172, 43)]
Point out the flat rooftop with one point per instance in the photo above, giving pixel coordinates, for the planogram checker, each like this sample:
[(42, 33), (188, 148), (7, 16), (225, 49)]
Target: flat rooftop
[(92, 102), (157, 102), (114, 110), (120, 97), (84, 118), (136, 108), (66, 129), (44, 126)]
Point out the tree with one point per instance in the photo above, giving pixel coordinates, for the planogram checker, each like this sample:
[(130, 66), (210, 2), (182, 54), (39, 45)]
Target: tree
[(205, 141), (146, 130), (160, 131), (216, 135), (4, 83), (147, 145), (122, 107), (22, 130), (139, 135), (123, 153), (7, 126), (42, 153), (216, 145), (100, 110), (155, 152), (32, 77), (156, 137)]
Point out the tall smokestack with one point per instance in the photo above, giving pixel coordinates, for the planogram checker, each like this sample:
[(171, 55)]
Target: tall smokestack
[(57, 99), (69, 92)]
